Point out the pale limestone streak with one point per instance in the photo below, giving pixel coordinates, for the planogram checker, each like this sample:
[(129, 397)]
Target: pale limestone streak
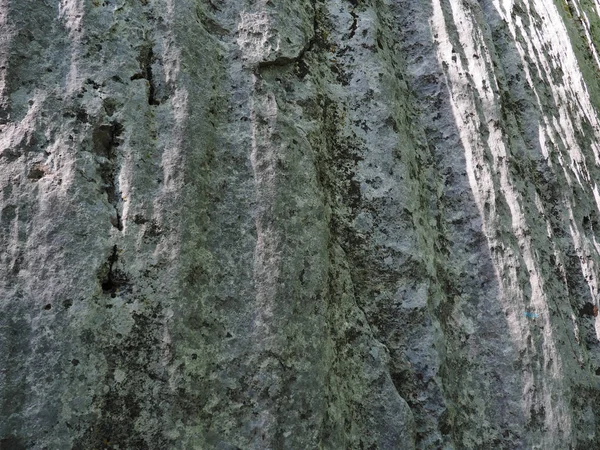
[(71, 13), (585, 21), (266, 258), (562, 129), (479, 87)]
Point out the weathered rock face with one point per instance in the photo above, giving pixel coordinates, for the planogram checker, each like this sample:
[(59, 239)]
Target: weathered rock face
[(301, 224)]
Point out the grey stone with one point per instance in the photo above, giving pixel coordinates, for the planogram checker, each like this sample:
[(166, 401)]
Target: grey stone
[(342, 224)]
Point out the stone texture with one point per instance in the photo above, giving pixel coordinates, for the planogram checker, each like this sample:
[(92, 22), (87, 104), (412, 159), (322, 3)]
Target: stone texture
[(342, 224)]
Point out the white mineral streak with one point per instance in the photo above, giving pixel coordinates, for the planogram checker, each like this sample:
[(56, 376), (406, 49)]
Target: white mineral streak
[(569, 91), (463, 81), (474, 88), (585, 21), (254, 41), (266, 258), (71, 12)]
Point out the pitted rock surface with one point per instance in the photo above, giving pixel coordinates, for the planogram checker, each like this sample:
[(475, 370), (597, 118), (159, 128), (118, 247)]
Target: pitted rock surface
[(316, 224)]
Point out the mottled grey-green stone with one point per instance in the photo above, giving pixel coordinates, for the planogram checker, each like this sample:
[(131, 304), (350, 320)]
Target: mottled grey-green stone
[(299, 224)]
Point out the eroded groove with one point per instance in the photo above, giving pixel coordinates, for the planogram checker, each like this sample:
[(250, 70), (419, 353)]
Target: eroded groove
[(114, 279), (354, 24), (105, 141), (145, 59)]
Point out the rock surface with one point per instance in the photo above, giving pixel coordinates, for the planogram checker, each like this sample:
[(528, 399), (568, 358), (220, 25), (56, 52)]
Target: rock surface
[(299, 224)]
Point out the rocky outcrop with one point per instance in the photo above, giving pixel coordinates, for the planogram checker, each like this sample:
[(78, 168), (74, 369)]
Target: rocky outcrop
[(342, 224)]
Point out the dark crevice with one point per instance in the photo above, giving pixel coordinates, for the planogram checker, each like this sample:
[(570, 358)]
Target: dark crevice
[(37, 172), (105, 140), (114, 278), (146, 59), (213, 6), (209, 22), (588, 309), (354, 25)]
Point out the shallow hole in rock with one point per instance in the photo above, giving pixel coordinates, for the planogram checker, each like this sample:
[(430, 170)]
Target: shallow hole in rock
[(37, 172), (589, 309), (108, 286), (48, 307), (111, 286), (75, 362), (138, 219)]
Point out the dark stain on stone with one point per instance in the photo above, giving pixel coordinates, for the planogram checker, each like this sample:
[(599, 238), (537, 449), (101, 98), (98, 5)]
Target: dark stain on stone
[(589, 309), (37, 172), (92, 83), (445, 423), (153, 230), (9, 154), (79, 113), (537, 418), (114, 279), (302, 69), (146, 59), (12, 442), (110, 106), (106, 138), (121, 406), (7, 215), (138, 219), (354, 25), (341, 158), (399, 379), (208, 21), (197, 276)]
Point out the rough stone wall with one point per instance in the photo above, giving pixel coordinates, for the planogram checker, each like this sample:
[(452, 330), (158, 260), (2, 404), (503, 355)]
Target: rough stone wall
[(299, 224)]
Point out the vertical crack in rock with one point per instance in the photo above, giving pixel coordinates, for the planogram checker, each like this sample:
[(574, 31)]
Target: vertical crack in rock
[(146, 59), (105, 141), (115, 278), (353, 25)]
